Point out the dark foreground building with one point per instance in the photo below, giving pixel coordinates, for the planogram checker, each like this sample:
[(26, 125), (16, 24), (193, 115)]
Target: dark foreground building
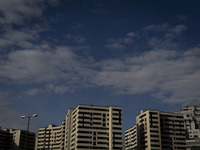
[(12, 139)]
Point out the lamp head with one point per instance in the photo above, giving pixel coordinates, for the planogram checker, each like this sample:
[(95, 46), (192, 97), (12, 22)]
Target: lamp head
[(23, 117), (35, 115)]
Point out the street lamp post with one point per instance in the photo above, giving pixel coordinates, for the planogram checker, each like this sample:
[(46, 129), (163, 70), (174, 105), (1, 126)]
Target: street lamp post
[(27, 130)]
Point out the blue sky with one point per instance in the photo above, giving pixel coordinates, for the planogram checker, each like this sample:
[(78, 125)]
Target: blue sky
[(136, 54)]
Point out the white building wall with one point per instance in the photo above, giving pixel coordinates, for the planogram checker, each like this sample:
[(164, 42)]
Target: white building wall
[(85, 127), (192, 122)]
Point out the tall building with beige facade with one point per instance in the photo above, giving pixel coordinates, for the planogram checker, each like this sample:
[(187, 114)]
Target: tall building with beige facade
[(192, 122), (131, 141), (160, 131), (51, 137), (88, 127)]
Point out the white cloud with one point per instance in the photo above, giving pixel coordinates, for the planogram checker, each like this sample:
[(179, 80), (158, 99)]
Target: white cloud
[(17, 11), (131, 34), (172, 76), (120, 43), (34, 91), (166, 35), (17, 38), (59, 89), (22, 38), (77, 39), (160, 27), (158, 43), (43, 66), (175, 31), (178, 29)]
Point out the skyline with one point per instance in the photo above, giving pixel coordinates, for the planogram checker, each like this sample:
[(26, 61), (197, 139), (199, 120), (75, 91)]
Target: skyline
[(56, 54)]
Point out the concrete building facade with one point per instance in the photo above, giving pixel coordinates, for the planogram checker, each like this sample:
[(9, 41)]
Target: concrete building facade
[(192, 122), (87, 127), (95, 127), (6, 139), (131, 142), (159, 130), (13, 139), (51, 137)]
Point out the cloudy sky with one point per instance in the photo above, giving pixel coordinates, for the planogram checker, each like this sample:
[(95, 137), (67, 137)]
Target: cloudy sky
[(136, 54)]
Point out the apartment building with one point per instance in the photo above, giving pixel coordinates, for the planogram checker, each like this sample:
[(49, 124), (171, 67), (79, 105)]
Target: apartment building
[(16, 139), (68, 129), (161, 130), (96, 127), (158, 130), (85, 127), (6, 139), (19, 139), (131, 141), (51, 137), (192, 122)]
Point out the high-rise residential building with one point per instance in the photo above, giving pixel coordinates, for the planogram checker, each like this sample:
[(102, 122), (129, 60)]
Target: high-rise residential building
[(192, 122), (159, 130), (51, 137), (6, 139), (131, 142), (17, 139), (68, 129), (22, 138), (95, 127), (87, 127)]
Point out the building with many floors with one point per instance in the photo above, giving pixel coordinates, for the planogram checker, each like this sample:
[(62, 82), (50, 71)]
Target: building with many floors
[(6, 139), (16, 139), (192, 122), (85, 127), (131, 141), (157, 130), (97, 127), (51, 137)]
